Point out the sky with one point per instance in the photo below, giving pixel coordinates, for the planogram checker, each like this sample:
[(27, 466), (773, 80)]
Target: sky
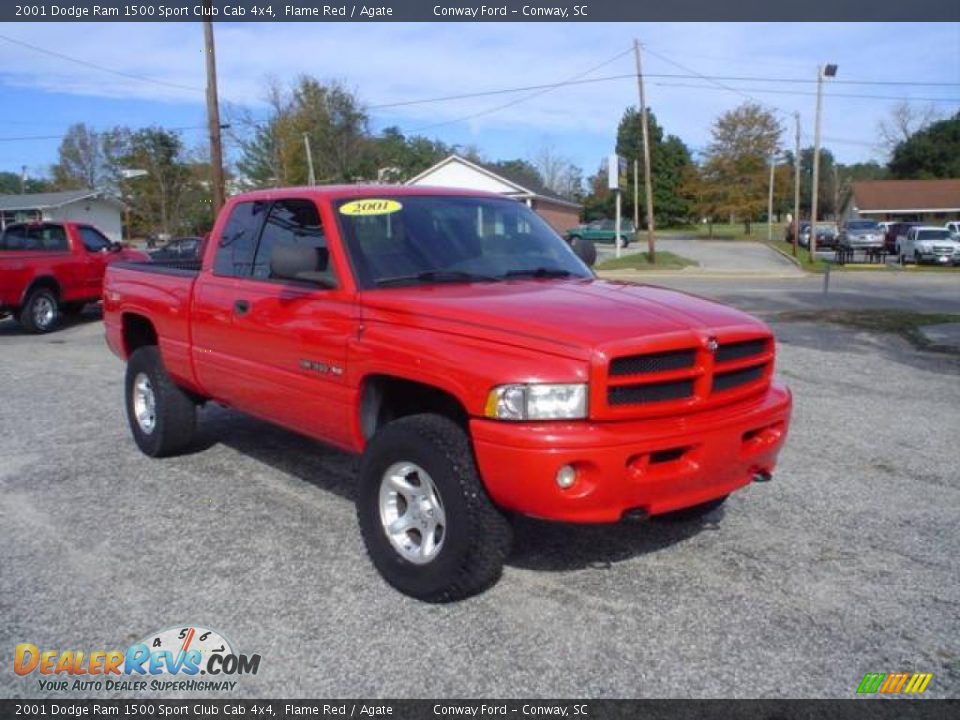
[(41, 94)]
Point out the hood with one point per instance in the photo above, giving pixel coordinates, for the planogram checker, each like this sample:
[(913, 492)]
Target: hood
[(568, 317)]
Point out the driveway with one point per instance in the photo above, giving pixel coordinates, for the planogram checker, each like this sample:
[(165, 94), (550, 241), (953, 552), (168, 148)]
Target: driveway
[(846, 563), (719, 256)]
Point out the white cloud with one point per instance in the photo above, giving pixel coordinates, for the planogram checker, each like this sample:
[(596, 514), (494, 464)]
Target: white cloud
[(389, 63)]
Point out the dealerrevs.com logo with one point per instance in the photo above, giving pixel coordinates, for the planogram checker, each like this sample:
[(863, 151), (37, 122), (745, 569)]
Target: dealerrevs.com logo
[(169, 660)]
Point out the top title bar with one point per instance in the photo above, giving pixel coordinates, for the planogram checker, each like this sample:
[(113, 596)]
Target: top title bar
[(505, 11)]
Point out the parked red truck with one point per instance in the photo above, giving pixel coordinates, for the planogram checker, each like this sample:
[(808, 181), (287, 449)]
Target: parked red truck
[(53, 268), (457, 342)]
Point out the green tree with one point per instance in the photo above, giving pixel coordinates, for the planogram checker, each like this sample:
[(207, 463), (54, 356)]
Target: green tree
[(328, 115), (737, 167), (933, 152), (10, 184), (520, 171), (669, 158), (82, 162), (400, 158), (162, 200)]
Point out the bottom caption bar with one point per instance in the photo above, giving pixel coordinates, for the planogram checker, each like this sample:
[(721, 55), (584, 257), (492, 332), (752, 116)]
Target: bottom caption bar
[(578, 709)]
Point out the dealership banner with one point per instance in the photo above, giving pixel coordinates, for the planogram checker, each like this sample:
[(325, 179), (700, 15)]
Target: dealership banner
[(481, 709), (504, 11)]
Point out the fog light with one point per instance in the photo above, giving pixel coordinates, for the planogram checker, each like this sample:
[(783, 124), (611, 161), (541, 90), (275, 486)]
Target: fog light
[(566, 476)]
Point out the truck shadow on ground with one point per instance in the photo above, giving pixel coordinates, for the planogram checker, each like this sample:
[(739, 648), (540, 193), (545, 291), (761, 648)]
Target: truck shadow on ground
[(538, 545), (9, 327), (559, 547)]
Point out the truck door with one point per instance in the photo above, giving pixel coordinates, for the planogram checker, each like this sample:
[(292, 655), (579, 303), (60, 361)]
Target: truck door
[(95, 252), (275, 348)]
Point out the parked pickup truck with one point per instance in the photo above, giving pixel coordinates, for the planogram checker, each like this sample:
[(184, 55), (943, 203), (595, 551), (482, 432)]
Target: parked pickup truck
[(458, 344), (53, 268)]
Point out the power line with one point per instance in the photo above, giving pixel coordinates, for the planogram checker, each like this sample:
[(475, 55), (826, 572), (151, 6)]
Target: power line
[(811, 94), (101, 68), (517, 101), (24, 138), (689, 75)]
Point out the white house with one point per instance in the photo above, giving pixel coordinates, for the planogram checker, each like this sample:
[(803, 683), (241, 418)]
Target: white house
[(458, 172), (95, 207)]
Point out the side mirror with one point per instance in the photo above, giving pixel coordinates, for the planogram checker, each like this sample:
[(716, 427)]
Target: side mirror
[(300, 262), (585, 250)]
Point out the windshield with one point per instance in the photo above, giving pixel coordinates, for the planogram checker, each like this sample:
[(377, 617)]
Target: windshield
[(426, 239), (933, 234), (863, 226)]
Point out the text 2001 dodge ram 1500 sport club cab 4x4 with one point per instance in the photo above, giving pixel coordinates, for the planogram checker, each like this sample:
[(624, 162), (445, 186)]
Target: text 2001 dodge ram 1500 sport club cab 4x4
[(457, 342)]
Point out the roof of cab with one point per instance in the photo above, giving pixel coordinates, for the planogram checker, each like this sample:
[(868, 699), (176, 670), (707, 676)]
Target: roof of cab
[(339, 192)]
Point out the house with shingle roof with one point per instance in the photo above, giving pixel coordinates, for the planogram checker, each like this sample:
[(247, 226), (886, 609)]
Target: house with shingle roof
[(933, 202), (96, 207), (457, 172)]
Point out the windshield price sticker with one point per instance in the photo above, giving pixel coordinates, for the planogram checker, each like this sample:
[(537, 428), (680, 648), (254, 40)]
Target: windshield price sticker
[(373, 206)]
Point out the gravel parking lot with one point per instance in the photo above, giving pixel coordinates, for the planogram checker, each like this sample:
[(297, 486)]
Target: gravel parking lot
[(847, 563)]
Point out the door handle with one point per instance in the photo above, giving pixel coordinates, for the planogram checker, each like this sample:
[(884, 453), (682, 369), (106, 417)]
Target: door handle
[(241, 307)]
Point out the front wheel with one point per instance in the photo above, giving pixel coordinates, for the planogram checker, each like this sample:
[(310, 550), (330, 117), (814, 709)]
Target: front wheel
[(427, 522), (162, 417)]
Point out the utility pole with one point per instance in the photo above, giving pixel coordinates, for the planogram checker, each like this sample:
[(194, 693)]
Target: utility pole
[(23, 179), (636, 196), (773, 165), (822, 72), (796, 187), (213, 112), (311, 178), (651, 242)]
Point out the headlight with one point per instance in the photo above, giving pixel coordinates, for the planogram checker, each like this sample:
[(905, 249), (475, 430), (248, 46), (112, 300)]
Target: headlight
[(537, 402)]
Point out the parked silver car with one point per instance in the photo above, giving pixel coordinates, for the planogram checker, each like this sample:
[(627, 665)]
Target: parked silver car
[(861, 235)]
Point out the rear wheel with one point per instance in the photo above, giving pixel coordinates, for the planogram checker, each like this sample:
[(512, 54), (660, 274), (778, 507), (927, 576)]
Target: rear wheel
[(41, 312), (162, 417), (426, 520)]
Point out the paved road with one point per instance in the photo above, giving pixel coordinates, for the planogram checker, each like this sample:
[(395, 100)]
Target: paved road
[(846, 563), (719, 256)]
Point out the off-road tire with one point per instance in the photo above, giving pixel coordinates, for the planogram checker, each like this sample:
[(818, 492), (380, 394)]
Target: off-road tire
[(175, 412), (695, 512), (477, 536), (28, 319)]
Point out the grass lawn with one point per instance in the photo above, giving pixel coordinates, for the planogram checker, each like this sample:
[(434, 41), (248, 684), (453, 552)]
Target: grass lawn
[(725, 231), (641, 261), (900, 322)]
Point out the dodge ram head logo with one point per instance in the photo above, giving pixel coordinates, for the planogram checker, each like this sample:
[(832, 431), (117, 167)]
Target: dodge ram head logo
[(712, 345)]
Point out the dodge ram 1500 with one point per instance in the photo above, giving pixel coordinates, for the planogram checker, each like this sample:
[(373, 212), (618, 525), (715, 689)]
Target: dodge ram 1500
[(457, 343)]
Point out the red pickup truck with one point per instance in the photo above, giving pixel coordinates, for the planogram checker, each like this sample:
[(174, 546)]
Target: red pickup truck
[(53, 268), (461, 346)]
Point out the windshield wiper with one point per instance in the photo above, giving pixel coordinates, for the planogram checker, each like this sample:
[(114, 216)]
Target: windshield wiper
[(435, 276), (540, 272)]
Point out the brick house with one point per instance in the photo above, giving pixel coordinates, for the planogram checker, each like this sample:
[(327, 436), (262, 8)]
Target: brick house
[(933, 202), (457, 172)]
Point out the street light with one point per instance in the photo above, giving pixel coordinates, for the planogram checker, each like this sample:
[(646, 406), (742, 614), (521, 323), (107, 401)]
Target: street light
[(774, 159), (824, 71)]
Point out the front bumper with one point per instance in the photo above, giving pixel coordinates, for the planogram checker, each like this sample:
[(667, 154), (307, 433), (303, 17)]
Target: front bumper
[(940, 258), (655, 465)]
